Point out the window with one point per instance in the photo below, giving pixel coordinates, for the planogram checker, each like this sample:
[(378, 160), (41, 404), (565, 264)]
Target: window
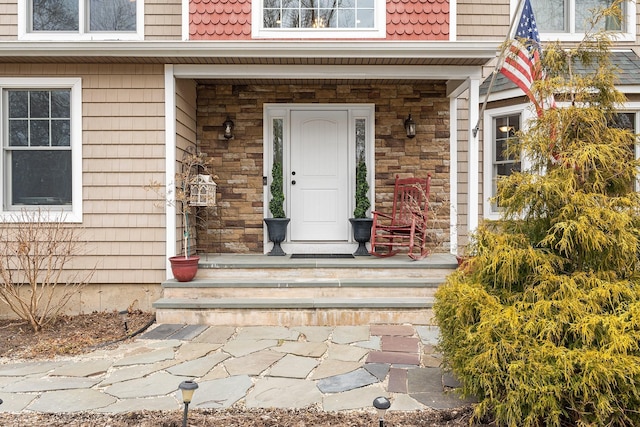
[(503, 163), (81, 19), (318, 14), (40, 150), (499, 135), (565, 18), (320, 18)]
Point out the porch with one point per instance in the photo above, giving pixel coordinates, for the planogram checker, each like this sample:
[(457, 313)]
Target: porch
[(245, 290)]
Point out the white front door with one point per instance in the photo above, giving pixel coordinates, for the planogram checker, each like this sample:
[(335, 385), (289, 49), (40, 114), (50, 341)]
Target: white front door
[(318, 184)]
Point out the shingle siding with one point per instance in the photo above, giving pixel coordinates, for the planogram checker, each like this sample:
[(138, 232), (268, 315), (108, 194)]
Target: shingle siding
[(123, 150)]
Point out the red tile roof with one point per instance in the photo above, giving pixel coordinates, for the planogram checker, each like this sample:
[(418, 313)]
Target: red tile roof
[(406, 19)]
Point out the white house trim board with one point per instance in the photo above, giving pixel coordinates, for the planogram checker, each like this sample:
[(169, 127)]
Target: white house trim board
[(395, 72), (474, 155), (170, 162), (185, 20), (368, 49), (453, 175), (453, 20)]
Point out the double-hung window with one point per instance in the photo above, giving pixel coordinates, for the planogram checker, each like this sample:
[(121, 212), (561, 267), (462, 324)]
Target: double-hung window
[(80, 19), (569, 19), (500, 134), (41, 153), (319, 18)]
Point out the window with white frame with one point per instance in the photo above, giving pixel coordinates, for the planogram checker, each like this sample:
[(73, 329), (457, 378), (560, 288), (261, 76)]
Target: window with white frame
[(567, 18), (500, 134), (80, 19), (319, 18), (41, 159)]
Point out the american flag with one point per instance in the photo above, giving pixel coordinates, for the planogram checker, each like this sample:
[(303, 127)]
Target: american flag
[(522, 63)]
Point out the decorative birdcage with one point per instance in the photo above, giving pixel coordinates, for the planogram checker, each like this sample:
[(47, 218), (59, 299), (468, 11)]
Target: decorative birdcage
[(202, 191)]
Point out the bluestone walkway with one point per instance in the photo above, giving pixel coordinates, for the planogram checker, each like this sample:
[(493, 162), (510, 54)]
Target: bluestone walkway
[(332, 368)]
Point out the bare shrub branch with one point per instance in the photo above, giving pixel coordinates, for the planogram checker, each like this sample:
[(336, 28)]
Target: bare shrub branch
[(35, 253)]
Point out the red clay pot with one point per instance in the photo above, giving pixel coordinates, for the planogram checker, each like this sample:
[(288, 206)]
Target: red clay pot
[(184, 269)]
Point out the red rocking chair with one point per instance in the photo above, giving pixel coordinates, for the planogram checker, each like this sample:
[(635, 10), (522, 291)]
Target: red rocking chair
[(406, 227)]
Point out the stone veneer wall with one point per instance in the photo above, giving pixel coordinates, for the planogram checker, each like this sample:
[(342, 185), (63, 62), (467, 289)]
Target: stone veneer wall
[(236, 226)]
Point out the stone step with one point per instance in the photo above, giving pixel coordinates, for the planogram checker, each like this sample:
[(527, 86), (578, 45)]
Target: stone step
[(297, 273), (252, 290), (294, 311), (308, 288)]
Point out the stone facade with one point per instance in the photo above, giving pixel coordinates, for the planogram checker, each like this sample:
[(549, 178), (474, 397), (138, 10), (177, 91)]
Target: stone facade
[(236, 226)]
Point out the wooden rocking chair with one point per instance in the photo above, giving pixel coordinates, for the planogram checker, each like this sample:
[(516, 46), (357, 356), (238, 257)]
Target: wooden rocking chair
[(406, 227)]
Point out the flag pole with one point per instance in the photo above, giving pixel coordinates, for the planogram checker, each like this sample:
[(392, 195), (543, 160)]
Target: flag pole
[(498, 66)]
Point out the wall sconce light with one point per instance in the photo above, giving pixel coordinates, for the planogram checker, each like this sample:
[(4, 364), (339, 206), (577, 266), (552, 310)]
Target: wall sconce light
[(228, 128), (506, 129), (410, 127)]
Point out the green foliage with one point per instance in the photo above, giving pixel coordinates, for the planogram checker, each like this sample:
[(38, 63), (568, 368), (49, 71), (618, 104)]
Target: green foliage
[(276, 204), (362, 191), (543, 325)]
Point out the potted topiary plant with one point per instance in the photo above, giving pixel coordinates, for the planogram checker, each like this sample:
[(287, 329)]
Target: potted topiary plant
[(360, 223), (194, 187), (277, 224)]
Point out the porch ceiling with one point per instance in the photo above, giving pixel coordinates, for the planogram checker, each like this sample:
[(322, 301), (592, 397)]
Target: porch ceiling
[(258, 52), (241, 81)]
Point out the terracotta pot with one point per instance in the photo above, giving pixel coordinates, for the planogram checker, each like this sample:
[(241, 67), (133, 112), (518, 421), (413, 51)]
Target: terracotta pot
[(184, 269)]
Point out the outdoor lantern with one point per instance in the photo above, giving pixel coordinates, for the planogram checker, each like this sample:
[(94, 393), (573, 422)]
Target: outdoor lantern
[(381, 404), (202, 191), (410, 127), (228, 128), (187, 388)]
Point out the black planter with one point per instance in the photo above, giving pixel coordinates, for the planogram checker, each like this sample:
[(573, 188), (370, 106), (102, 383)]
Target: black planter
[(277, 230), (361, 234)]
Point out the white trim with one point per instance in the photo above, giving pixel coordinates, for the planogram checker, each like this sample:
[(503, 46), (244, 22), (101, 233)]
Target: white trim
[(378, 31), (185, 20), (355, 111), (453, 20), (474, 157), (453, 175), (397, 72), (526, 114), (353, 49), (25, 34), (170, 163), (75, 85)]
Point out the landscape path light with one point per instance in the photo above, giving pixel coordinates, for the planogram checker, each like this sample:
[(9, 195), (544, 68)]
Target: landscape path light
[(187, 388), (381, 404)]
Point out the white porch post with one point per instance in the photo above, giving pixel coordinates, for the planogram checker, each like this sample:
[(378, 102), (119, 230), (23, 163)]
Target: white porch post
[(170, 162), (474, 155), (453, 174)]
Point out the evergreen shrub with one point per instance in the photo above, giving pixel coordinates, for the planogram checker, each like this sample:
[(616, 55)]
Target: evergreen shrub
[(543, 324)]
